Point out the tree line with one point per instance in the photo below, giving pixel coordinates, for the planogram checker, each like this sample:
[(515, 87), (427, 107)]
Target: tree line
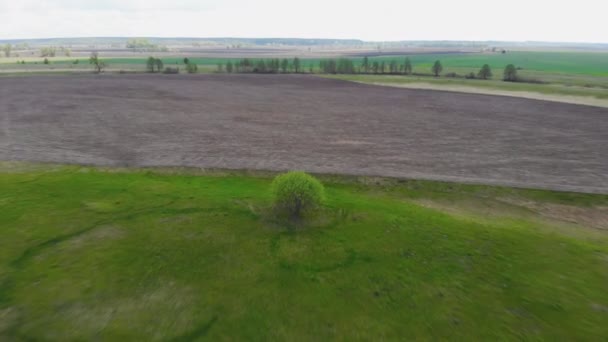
[(348, 66), (326, 66)]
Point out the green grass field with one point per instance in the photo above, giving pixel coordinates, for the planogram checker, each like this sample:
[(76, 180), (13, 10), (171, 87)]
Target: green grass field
[(89, 254), (465, 85)]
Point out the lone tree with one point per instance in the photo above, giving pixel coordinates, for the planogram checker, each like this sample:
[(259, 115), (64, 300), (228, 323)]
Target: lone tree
[(186, 60), (375, 67), (366, 65), (191, 68), (510, 74), (296, 193), (407, 69), (7, 50), (159, 64), (437, 68), (97, 63), (150, 64), (485, 72)]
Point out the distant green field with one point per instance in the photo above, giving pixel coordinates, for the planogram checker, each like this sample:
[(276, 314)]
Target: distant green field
[(145, 256), (464, 85), (594, 64), (580, 63), (585, 63)]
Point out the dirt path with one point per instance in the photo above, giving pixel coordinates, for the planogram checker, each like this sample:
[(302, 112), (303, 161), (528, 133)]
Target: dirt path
[(281, 122), (581, 100)]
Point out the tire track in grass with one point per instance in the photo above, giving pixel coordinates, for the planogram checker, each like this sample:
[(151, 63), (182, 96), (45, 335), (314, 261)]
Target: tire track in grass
[(34, 250), (8, 284), (196, 333)]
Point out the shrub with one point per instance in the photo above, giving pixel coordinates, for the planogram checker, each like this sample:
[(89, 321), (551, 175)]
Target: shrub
[(510, 73), (191, 68), (170, 70), (296, 193)]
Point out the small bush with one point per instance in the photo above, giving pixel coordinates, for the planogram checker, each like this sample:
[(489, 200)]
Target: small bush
[(296, 193), (170, 70), (191, 68)]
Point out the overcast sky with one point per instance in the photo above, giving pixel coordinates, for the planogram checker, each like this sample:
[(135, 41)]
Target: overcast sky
[(515, 20)]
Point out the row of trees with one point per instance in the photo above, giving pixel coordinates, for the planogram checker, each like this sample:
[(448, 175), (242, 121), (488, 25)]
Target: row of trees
[(348, 66), (142, 44), (271, 66), (328, 66), (7, 49), (156, 65), (49, 51)]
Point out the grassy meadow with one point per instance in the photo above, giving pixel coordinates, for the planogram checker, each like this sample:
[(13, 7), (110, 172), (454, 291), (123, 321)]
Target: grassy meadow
[(176, 255)]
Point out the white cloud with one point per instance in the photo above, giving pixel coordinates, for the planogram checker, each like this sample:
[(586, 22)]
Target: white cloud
[(557, 20)]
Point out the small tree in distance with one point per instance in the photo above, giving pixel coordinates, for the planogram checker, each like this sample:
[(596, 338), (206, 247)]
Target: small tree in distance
[(437, 68), (97, 63), (510, 73), (296, 64), (7, 50), (191, 68), (407, 69), (366, 65), (186, 60), (485, 72), (375, 67), (159, 64), (150, 64)]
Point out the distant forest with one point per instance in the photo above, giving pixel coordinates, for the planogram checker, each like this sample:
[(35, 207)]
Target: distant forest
[(248, 42)]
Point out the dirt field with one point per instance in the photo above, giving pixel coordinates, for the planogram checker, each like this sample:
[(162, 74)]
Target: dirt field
[(302, 122)]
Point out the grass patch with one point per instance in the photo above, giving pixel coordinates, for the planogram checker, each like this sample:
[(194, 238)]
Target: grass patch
[(149, 255), (466, 85)]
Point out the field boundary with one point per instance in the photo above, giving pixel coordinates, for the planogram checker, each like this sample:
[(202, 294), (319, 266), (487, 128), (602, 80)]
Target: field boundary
[(571, 99)]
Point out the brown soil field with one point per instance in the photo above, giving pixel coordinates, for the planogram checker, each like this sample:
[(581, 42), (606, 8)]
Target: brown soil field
[(281, 122)]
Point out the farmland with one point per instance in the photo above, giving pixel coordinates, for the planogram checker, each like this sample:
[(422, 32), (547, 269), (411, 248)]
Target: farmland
[(576, 77), (137, 206), (282, 122)]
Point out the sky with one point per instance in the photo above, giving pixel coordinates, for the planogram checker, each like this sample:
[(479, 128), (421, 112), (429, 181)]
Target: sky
[(514, 20)]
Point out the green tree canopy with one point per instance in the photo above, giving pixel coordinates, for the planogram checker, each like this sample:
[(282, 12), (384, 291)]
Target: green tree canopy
[(437, 68), (510, 73), (485, 72)]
